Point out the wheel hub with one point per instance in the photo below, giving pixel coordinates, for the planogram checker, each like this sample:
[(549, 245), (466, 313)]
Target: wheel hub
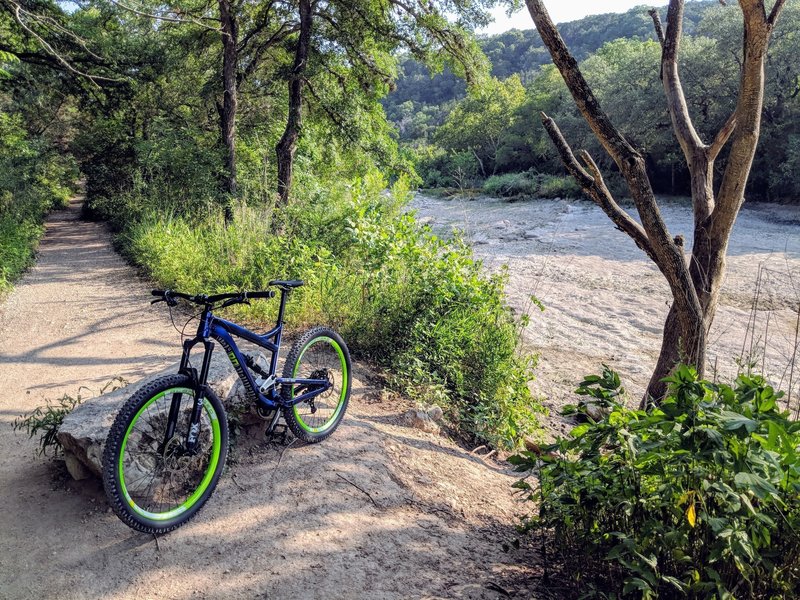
[(327, 376)]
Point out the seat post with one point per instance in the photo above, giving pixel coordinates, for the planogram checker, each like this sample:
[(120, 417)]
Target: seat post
[(284, 293)]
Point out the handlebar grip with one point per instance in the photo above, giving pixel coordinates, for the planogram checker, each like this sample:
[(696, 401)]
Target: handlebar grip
[(159, 293), (264, 294)]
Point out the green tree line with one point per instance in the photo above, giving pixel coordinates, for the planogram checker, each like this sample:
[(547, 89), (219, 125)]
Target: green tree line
[(494, 130)]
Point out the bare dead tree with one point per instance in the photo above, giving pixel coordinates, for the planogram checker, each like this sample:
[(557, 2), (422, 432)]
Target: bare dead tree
[(694, 281)]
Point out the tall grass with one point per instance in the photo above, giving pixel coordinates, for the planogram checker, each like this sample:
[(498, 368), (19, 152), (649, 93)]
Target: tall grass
[(403, 298)]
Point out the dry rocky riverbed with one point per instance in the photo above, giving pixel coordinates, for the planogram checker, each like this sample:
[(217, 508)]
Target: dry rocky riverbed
[(380, 510), (606, 302)]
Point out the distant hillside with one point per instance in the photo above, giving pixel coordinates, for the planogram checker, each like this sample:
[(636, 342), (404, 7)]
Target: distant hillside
[(522, 52)]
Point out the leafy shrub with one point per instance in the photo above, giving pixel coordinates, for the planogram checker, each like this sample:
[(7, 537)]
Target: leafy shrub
[(698, 497), (529, 184), (402, 297), (438, 168), (17, 242), (510, 184), (553, 186), (34, 178)]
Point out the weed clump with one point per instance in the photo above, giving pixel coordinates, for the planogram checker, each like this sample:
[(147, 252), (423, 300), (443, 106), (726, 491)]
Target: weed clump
[(45, 421)]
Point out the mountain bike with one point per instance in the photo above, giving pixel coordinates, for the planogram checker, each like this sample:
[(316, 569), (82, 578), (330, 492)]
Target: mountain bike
[(167, 447)]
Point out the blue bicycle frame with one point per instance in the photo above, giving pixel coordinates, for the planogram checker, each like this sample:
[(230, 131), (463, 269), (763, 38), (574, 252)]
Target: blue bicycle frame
[(212, 327)]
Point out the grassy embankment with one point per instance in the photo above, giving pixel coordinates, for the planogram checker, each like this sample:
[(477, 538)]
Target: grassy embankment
[(422, 308)]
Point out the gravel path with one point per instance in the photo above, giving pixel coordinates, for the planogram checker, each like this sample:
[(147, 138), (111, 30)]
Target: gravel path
[(378, 511)]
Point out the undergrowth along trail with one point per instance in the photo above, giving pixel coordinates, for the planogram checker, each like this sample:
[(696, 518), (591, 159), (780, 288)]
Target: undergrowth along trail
[(379, 509)]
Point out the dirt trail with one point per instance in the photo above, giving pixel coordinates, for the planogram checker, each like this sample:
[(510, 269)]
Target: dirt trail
[(378, 511)]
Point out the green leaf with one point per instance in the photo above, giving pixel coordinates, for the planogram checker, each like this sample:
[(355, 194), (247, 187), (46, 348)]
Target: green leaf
[(755, 483), (633, 584), (580, 430), (732, 421)]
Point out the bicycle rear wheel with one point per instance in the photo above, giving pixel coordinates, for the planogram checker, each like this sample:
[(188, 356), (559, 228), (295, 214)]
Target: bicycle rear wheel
[(155, 484), (319, 354)]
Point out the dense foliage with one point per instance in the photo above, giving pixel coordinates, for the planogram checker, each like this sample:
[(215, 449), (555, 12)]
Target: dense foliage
[(189, 180), (403, 298), (458, 144), (34, 177), (699, 497)]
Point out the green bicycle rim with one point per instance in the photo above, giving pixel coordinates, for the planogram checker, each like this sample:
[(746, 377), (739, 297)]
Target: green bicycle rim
[(216, 445), (345, 376)]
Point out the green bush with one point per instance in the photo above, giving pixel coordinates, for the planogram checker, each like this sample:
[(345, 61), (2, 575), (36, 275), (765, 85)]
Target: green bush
[(699, 497), (402, 297), (34, 178), (17, 243), (510, 185), (532, 185), (553, 186)]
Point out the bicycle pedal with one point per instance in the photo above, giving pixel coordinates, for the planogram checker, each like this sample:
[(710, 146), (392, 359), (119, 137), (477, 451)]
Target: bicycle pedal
[(278, 434)]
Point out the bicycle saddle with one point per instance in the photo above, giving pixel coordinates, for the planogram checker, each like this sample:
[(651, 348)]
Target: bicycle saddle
[(292, 283)]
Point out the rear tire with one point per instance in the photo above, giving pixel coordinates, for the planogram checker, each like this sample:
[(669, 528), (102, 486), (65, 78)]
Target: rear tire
[(320, 352), (153, 489)]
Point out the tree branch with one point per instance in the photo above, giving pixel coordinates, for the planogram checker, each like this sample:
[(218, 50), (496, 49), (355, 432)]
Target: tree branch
[(749, 106), (163, 17), (281, 34), (722, 138), (630, 162), (775, 13), (653, 12), (688, 138), (18, 10), (594, 186), (257, 28), (565, 152)]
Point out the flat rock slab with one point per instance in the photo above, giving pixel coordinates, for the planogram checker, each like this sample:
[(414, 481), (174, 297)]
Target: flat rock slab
[(83, 432)]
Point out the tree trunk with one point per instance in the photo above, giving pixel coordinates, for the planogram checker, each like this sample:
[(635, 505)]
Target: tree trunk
[(695, 286), (287, 145), (230, 60)]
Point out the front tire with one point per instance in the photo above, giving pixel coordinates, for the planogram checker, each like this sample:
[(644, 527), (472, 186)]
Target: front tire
[(153, 486), (319, 353)]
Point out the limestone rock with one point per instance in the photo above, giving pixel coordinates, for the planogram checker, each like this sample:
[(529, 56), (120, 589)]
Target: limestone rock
[(595, 411), (435, 413), (420, 419), (84, 430)]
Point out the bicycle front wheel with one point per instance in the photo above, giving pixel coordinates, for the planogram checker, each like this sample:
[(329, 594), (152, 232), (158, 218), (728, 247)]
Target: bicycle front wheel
[(154, 482), (319, 354)]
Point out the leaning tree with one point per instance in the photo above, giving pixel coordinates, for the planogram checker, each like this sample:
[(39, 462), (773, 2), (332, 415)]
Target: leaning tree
[(694, 280)]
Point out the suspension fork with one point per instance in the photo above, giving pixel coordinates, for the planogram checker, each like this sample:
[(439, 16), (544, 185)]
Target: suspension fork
[(199, 389), (199, 386)]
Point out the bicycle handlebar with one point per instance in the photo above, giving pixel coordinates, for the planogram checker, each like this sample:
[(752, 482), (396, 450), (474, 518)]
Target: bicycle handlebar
[(171, 297)]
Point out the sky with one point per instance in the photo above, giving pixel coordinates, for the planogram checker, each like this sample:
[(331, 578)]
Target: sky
[(561, 11)]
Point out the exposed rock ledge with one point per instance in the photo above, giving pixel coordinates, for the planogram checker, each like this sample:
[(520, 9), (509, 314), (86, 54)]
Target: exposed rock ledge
[(84, 430)]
